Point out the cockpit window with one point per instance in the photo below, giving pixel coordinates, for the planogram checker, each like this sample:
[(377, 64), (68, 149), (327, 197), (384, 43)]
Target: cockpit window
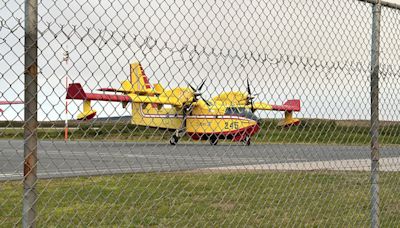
[(240, 111)]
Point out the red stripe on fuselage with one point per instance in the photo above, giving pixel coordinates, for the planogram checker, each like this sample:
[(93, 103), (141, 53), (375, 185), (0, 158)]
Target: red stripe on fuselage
[(236, 135)]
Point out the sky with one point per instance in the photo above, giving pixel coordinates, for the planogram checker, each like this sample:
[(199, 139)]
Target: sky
[(315, 51)]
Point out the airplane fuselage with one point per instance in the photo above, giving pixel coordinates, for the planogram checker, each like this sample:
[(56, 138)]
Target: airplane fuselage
[(235, 126)]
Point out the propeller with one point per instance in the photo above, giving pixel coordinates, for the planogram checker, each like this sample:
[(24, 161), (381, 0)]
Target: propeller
[(197, 93), (187, 109), (250, 97)]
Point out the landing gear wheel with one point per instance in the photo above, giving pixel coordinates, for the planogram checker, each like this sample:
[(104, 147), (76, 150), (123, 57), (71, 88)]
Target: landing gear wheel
[(213, 140), (247, 140), (174, 140)]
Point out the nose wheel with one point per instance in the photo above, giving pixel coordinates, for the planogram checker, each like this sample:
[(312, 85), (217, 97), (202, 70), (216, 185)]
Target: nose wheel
[(247, 140), (213, 140), (174, 140)]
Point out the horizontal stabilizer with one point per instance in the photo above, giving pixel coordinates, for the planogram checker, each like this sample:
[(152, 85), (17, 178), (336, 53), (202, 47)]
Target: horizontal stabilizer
[(10, 102), (75, 91), (289, 106)]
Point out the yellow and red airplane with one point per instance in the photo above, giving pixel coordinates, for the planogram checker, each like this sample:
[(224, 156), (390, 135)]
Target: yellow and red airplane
[(230, 115)]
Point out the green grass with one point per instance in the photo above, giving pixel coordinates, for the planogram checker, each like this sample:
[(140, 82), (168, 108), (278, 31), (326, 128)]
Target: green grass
[(309, 131), (335, 199)]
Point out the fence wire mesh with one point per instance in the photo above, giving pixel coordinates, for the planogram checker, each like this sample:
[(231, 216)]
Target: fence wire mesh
[(267, 105)]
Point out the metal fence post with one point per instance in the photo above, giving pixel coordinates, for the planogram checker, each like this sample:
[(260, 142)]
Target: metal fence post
[(376, 17), (30, 127)]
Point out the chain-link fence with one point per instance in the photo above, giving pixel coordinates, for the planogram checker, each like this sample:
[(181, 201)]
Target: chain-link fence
[(204, 113)]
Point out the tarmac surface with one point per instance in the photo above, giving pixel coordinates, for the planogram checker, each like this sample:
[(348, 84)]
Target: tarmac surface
[(65, 159)]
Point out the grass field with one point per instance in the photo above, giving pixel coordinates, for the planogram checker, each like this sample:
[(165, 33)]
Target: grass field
[(334, 199), (309, 131), (337, 199)]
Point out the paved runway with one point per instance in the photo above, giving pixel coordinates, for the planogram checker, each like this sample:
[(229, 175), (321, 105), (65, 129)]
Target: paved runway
[(61, 159)]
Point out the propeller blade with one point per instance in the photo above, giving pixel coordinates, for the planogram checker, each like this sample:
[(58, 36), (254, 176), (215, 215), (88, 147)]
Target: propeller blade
[(250, 97), (196, 93), (207, 103), (248, 87), (184, 115), (190, 85), (194, 89), (202, 84)]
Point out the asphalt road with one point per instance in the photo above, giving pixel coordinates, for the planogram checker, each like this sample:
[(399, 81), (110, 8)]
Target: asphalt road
[(61, 159)]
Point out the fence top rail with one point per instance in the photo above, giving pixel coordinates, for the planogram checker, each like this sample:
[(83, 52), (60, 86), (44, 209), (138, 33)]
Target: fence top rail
[(383, 3)]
